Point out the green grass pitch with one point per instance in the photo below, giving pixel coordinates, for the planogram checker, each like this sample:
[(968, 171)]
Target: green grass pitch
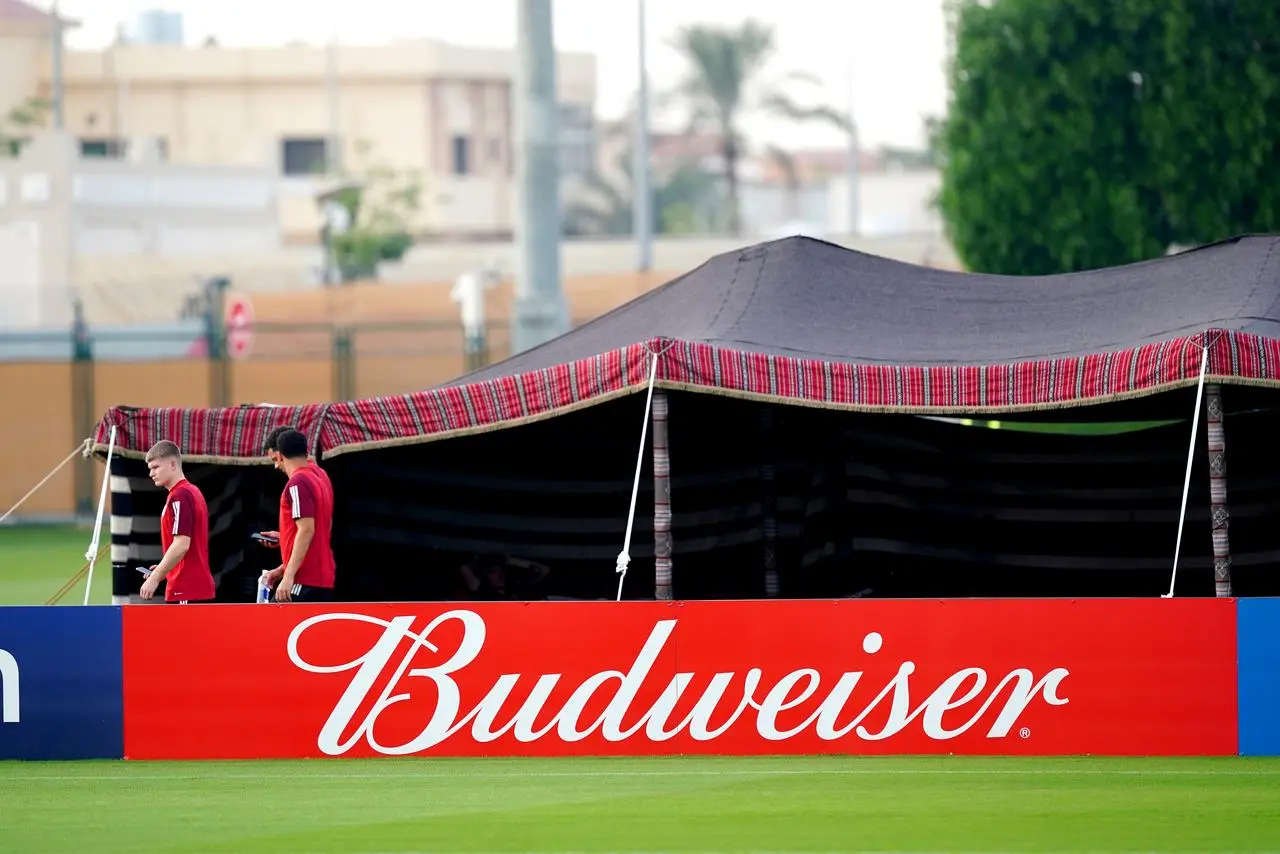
[(809, 804), (642, 805)]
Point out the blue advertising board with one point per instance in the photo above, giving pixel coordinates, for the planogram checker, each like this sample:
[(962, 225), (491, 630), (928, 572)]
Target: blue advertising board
[(1258, 655), (61, 683)]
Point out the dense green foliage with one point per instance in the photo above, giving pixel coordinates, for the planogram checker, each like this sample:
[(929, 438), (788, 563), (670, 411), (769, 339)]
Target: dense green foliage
[(1089, 133)]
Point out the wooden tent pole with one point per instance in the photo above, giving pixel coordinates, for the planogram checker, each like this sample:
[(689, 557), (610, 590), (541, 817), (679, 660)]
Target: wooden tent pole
[(661, 499), (1219, 512)]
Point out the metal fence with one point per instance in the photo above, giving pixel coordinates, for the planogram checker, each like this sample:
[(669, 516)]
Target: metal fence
[(57, 384)]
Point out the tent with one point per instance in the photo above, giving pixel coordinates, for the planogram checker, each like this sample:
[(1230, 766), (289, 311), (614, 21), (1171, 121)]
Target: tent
[(822, 426)]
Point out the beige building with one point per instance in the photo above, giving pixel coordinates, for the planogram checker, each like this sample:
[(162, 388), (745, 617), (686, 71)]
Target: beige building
[(440, 110)]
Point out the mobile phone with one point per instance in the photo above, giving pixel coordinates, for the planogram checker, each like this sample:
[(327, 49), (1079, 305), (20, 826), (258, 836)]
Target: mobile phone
[(263, 538), (143, 570)]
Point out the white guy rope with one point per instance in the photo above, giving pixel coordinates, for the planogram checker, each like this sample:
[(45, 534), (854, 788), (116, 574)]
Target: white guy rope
[(624, 556), (1191, 454), (79, 450), (91, 554)]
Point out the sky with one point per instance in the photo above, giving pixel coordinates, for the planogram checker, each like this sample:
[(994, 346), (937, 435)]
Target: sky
[(883, 57)]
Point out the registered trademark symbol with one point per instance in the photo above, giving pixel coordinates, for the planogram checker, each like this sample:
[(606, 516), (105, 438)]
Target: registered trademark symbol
[(1025, 732)]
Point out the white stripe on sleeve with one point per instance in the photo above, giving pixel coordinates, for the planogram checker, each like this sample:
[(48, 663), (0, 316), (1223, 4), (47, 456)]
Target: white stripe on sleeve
[(297, 501), (177, 511)]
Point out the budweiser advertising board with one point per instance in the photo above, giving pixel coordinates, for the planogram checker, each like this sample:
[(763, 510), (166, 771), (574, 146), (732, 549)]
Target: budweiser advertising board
[(788, 677)]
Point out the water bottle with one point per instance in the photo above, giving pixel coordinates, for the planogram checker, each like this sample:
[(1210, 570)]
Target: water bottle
[(264, 590)]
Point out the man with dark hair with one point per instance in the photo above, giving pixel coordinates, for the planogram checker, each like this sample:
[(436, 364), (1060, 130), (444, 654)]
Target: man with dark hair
[(272, 450), (269, 446), (273, 453), (184, 532), (306, 573)]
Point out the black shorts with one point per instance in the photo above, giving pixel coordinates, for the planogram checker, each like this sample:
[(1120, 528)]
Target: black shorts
[(307, 593)]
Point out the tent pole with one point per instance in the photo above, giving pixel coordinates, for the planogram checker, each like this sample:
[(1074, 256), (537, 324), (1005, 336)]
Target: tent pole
[(661, 499), (769, 501), (1219, 512)]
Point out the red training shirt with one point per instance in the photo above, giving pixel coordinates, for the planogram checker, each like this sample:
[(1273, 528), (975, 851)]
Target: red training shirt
[(308, 495), (186, 515)]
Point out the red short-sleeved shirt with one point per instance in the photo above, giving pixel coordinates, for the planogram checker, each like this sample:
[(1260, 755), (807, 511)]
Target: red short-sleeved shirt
[(186, 515), (308, 495)]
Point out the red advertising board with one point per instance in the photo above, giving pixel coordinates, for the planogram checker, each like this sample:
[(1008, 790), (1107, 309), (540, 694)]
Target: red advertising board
[(1031, 677)]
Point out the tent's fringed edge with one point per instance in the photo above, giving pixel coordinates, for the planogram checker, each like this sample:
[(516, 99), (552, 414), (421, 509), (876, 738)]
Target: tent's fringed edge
[(324, 427), (892, 409), (99, 452), (491, 427), (99, 449)]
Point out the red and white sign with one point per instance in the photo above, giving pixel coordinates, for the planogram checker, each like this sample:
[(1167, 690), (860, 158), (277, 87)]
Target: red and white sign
[(1031, 677), (239, 325)]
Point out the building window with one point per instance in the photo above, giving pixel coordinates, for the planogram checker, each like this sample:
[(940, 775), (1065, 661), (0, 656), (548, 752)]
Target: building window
[(109, 149), (461, 155), (303, 156)]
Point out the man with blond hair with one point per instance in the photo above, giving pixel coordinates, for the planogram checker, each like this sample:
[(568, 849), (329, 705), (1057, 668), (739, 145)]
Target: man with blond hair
[(184, 532)]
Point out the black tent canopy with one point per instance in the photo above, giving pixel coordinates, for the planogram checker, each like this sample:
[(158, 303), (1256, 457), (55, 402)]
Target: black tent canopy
[(810, 299), (839, 424)]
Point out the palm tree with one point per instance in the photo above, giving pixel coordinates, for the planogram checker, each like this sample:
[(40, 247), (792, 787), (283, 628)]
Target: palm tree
[(724, 83), (678, 199)]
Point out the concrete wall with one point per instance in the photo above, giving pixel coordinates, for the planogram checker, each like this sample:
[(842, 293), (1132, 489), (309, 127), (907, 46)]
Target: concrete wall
[(218, 106), (77, 211), (151, 289)]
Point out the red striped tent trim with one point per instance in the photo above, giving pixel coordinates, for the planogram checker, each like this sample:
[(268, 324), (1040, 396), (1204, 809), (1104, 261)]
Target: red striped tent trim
[(236, 434)]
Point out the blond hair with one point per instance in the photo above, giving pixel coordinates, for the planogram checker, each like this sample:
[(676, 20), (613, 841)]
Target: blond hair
[(163, 450)]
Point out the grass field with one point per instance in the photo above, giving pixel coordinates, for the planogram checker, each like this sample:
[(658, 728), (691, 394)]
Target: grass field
[(35, 561), (679, 804), (687, 804)]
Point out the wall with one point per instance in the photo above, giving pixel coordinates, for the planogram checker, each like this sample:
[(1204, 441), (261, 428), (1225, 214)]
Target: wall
[(20, 275), (37, 429), (1120, 677), (151, 289), (82, 211), (403, 337), (35, 197), (890, 202), (23, 49), (49, 412), (219, 106)]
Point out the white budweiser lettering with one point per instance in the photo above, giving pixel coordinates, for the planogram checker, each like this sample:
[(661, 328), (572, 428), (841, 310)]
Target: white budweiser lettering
[(794, 689)]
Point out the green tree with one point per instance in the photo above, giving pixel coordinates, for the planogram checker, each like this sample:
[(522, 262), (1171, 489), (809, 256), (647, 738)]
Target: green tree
[(381, 206), (725, 83), (1090, 133), (20, 120)]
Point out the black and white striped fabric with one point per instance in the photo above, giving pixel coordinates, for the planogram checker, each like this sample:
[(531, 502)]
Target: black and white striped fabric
[(850, 504)]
